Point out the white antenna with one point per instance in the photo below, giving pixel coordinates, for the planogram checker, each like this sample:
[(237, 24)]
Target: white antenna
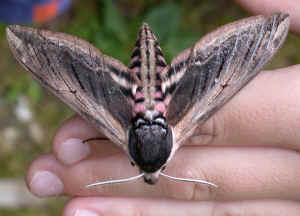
[(189, 180), (142, 174), (116, 181)]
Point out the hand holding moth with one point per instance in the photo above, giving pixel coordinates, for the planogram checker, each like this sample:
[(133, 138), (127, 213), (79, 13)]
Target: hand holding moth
[(217, 164)]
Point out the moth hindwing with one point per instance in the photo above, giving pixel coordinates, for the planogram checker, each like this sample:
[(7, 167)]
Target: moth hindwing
[(150, 108)]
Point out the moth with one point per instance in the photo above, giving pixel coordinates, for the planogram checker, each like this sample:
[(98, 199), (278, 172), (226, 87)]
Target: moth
[(150, 108)]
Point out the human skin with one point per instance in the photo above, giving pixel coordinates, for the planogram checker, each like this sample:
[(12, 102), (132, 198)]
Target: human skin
[(253, 156)]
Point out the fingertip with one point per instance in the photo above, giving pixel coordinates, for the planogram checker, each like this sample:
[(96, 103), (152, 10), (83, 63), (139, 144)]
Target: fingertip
[(75, 127), (83, 207), (85, 212), (68, 145), (46, 183), (72, 151), (42, 177), (268, 7), (98, 206)]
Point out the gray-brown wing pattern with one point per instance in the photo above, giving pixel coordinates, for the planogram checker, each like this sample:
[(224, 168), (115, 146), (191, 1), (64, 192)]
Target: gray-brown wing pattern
[(204, 77), (96, 86)]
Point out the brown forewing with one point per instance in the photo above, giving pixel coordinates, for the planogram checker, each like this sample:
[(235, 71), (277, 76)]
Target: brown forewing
[(204, 77), (96, 86)]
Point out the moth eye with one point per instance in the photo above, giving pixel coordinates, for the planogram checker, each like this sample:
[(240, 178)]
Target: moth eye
[(160, 121), (164, 130), (139, 122), (132, 164)]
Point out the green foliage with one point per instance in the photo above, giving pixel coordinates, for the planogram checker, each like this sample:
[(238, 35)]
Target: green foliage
[(114, 22), (52, 208), (23, 87), (2, 31), (164, 20), (34, 91), (15, 91)]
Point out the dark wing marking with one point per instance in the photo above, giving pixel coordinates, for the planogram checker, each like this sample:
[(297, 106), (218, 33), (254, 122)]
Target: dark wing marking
[(96, 86), (204, 77)]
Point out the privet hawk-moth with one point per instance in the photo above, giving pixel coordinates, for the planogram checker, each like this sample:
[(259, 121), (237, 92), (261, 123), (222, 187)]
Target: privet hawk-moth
[(150, 108)]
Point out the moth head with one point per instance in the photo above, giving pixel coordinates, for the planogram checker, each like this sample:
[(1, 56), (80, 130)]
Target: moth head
[(150, 146)]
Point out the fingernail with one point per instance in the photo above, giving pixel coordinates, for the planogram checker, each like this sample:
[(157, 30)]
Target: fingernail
[(45, 183), (72, 151), (84, 212)]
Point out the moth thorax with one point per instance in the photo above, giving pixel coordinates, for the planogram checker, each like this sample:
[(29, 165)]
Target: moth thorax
[(150, 143), (151, 115)]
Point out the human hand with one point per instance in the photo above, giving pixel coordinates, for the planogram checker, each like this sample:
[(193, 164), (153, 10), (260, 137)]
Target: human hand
[(253, 158)]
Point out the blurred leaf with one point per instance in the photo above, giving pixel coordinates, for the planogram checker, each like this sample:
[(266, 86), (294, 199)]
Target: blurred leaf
[(178, 42), (110, 45), (84, 25), (113, 21), (164, 20), (2, 31), (15, 91), (34, 91)]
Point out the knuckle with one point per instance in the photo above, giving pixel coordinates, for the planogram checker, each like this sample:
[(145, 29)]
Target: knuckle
[(137, 209), (211, 132), (201, 192), (193, 191), (223, 209)]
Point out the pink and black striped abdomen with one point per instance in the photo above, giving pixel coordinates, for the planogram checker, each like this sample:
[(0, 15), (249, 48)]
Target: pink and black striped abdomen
[(146, 65)]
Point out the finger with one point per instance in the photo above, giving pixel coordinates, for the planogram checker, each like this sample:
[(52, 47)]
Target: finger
[(266, 113), (268, 7), (151, 207), (241, 174), (69, 146)]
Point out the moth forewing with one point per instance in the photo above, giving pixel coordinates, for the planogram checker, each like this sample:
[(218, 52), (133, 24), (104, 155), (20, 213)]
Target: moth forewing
[(73, 70), (220, 64)]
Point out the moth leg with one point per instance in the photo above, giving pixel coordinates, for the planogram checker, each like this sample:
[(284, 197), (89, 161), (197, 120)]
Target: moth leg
[(94, 138), (203, 134)]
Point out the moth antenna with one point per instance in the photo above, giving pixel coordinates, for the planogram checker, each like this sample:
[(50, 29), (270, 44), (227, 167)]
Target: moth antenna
[(116, 181), (189, 180)]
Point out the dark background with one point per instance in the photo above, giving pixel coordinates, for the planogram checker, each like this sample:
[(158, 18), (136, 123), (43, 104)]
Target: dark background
[(29, 115)]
